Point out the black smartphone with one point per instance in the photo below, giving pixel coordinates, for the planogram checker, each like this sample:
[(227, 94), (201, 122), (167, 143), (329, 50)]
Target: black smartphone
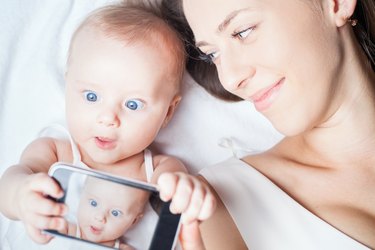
[(114, 212)]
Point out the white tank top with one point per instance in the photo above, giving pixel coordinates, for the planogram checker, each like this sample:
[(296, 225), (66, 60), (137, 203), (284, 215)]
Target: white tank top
[(266, 216)]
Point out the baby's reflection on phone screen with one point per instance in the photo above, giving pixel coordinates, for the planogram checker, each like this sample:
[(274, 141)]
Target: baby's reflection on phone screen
[(103, 212)]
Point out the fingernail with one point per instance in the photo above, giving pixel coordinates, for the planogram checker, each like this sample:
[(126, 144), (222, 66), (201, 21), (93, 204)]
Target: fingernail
[(172, 209), (59, 195), (165, 198)]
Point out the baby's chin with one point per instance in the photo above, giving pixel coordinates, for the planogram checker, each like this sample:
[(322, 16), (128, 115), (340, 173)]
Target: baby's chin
[(102, 158), (97, 236)]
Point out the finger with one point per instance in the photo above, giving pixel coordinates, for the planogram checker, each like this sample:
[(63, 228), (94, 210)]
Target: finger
[(49, 207), (39, 204), (167, 183), (37, 235), (182, 196), (44, 222), (65, 227), (43, 183), (195, 205), (208, 206), (190, 237)]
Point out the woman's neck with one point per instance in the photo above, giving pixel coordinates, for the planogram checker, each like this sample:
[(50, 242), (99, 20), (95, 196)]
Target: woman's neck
[(347, 136)]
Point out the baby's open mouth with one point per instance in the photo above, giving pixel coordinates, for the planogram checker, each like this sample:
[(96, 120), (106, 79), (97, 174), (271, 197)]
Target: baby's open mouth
[(105, 143)]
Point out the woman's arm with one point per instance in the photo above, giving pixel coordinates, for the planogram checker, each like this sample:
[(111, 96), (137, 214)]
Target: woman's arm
[(220, 231)]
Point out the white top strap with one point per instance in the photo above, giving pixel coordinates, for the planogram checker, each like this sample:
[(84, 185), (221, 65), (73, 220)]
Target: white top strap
[(117, 244), (148, 164), (56, 127), (78, 232)]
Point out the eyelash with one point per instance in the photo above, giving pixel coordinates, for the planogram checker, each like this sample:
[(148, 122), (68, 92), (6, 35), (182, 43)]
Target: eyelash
[(210, 58), (207, 58), (239, 36)]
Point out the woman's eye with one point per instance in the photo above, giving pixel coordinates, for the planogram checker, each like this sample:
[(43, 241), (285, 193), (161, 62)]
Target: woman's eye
[(93, 203), (116, 213), (134, 104), (90, 96), (243, 33), (209, 57)]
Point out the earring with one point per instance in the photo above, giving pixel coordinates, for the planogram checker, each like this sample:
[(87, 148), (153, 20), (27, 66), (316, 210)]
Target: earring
[(352, 22)]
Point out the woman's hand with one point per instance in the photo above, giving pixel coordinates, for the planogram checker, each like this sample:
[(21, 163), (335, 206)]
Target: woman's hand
[(37, 210), (190, 237)]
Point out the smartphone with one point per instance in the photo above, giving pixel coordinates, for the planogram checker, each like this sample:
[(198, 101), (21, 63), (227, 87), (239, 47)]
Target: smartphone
[(112, 211)]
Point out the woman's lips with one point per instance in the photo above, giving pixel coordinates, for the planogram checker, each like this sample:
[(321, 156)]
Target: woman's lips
[(264, 98), (105, 143)]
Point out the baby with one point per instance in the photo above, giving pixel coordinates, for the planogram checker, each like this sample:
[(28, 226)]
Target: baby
[(106, 211), (123, 77)]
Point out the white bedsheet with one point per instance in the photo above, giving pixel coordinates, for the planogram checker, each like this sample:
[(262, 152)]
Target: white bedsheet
[(34, 37)]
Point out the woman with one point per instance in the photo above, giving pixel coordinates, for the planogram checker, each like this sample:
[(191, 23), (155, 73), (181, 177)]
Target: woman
[(308, 67)]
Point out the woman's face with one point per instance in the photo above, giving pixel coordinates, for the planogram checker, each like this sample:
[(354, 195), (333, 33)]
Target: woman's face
[(281, 55)]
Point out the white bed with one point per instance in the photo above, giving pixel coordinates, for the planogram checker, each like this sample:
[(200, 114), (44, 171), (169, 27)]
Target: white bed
[(34, 37)]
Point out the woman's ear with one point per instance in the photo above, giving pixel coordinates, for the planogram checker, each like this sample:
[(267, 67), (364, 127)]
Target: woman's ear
[(342, 10), (172, 107)]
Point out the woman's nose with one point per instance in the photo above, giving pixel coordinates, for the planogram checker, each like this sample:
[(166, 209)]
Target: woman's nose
[(235, 70), (108, 117)]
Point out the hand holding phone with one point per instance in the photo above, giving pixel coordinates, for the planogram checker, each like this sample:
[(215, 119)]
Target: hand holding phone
[(111, 211), (35, 208)]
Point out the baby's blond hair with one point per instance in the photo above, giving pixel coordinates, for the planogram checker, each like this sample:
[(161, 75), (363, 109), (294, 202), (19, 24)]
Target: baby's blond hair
[(137, 22)]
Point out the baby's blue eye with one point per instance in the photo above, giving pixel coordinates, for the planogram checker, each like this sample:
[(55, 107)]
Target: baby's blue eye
[(134, 104), (90, 96), (116, 213), (93, 203)]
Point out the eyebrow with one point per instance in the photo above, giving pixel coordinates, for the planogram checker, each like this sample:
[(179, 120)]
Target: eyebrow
[(86, 83), (223, 25)]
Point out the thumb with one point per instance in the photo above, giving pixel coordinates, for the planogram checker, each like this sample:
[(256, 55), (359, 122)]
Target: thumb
[(190, 236)]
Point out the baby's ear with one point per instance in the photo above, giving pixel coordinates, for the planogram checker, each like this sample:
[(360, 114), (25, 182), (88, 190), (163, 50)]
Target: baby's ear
[(137, 218), (342, 10), (171, 109)]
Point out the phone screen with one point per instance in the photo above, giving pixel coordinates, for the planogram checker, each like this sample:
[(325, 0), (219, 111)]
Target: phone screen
[(114, 212)]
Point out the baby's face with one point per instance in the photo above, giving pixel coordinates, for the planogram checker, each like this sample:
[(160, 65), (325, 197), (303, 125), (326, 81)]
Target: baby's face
[(107, 210), (118, 95)]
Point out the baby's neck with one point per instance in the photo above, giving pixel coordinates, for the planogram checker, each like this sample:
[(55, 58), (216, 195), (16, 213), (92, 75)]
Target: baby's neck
[(132, 167)]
